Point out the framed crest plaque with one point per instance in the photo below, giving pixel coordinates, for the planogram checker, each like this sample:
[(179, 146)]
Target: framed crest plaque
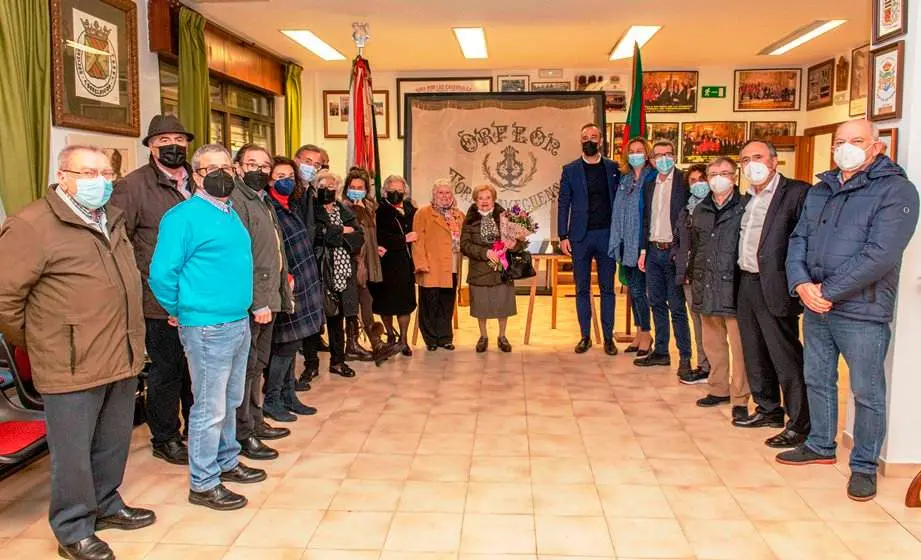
[(94, 64)]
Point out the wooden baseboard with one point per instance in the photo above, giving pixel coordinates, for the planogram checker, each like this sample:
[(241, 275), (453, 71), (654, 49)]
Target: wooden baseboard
[(894, 470)]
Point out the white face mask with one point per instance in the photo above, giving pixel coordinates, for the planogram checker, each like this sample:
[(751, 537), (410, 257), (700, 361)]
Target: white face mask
[(757, 172), (849, 157), (720, 184)]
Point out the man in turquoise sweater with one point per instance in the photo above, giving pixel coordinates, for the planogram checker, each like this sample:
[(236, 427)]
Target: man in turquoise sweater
[(202, 275)]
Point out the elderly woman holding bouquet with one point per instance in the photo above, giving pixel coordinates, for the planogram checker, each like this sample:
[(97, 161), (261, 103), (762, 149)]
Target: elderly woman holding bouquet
[(492, 294), (438, 231)]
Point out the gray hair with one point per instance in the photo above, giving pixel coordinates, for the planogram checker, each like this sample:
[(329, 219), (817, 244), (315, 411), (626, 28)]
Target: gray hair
[(441, 184), (326, 175), (719, 160), (208, 149), (64, 155), (772, 149), (394, 179)]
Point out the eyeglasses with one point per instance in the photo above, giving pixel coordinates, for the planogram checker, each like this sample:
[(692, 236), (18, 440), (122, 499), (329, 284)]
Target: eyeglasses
[(228, 169), (92, 173), (251, 166)]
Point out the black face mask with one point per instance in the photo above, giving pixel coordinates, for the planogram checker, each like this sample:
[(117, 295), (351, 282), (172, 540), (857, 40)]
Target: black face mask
[(256, 180), (172, 156), (394, 197), (218, 184), (325, 196), (590, 148)]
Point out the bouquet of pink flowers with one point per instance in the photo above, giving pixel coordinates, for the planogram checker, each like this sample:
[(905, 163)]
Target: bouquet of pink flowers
[(516, 224)]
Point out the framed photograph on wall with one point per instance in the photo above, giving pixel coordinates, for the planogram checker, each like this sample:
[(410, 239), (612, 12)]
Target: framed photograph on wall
[(336, 113), (94, 66), (890, 137), (550, 86), (842, 74), (886, 77), (774, 89), (770, 129), (615, 140), (656, 131), (860, 81), (437, 85), (670, 91), (890, 19), (703, 141), (513, 84), (820, 85), (122, 152)]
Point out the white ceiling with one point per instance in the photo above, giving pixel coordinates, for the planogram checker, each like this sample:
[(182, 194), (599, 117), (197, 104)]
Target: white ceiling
[(528, 34)]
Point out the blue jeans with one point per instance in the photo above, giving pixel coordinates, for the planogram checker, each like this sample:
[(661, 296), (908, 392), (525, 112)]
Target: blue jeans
[(665, 296), (637, 280), (595, 245), (864, 345), (217, 356)]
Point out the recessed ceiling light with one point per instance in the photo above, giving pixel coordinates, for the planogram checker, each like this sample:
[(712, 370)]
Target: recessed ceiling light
[(313, 44), (639, 34), (802, 35), (472, 41)]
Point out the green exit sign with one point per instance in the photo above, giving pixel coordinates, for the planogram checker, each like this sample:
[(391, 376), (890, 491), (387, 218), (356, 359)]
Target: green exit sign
[(717, 92)]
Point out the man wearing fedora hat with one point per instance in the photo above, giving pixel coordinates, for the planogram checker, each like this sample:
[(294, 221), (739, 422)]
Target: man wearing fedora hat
[(145, 195)]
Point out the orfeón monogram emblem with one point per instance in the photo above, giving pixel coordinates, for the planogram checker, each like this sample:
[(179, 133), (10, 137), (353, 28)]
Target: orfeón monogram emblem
[(510, 172)]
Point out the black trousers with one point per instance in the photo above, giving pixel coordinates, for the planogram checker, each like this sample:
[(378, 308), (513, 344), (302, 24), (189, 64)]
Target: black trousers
[(773, 357), (436, 313), (89, 435), (335, 329), (279, 375), (249, 413), (168, 381)]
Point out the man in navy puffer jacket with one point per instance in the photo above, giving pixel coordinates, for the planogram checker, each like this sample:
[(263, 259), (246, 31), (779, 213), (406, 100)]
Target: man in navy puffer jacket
[(843, 263)]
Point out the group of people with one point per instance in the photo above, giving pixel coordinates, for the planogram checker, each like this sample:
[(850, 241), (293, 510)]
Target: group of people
[(220, 268), (211, 272), (747, 264)]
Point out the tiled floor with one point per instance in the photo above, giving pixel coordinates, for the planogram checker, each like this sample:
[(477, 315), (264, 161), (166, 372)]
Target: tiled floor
[(535, 454)]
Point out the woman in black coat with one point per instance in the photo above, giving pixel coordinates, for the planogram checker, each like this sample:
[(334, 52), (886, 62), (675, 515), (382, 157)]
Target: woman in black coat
[(396, 293), (338, 238)]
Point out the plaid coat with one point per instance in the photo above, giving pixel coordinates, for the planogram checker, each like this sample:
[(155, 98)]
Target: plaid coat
[(308, 316)]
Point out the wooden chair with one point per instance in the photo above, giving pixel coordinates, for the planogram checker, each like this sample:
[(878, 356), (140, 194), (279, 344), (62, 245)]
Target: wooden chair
[(913, 496)]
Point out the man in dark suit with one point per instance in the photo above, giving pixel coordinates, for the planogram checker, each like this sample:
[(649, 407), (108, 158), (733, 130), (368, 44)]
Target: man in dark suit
[(662, 205), (587, 189), (768, 316)]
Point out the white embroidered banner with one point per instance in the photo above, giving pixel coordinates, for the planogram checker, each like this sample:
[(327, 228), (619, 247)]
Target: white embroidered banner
[(516, 143)]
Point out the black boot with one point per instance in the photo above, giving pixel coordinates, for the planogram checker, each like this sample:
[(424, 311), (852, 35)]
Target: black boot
[(293, 404), (382, 351), (354, 350)]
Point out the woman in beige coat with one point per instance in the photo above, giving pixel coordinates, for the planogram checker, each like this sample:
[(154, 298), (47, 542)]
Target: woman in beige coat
[(435, 255)]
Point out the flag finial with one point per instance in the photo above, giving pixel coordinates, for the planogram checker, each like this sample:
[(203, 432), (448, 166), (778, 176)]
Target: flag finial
[(360, 35)]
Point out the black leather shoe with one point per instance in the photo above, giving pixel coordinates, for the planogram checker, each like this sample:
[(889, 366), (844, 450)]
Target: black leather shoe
[(241, 474), (276, 410), (583, 345), (252, 448), (759, 420), (342, 370), (504, 344), (739, 413), (303, 382), (174, 452), (294, 405), (610, 348), (219, 498), (684, 368), (482, 344), (785, 439), (632, 349), (712, 400), (652, 359), (449, 347), (264, 431), (126, 519), (90, 548), (431, 347)]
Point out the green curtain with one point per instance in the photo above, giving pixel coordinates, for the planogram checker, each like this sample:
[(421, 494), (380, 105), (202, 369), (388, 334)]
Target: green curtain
[(25, 105), (194, 100), (292, 109)]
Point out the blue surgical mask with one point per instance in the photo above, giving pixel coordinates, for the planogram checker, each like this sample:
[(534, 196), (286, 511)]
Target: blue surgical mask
[(700, 189), (354, 195), (93, 193), (636, 160), (665, 164), (285, 186), (308, 172)]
